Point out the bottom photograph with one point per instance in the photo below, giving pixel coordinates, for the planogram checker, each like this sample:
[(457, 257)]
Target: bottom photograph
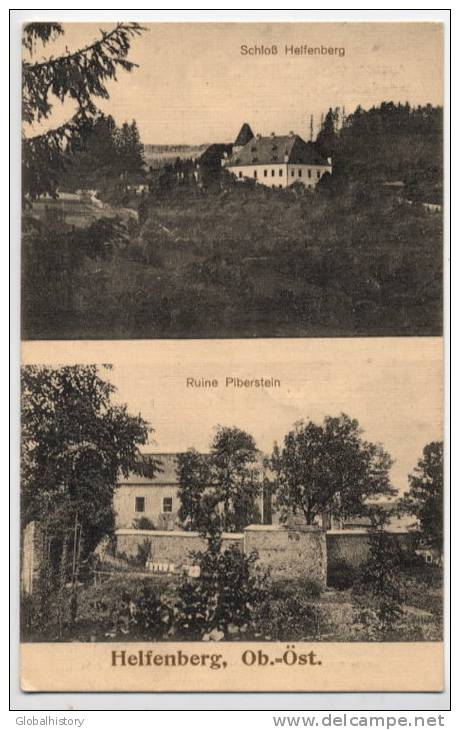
[(194, 519)]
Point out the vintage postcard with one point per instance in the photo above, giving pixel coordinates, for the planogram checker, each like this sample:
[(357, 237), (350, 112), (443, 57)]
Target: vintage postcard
[(258, 521), (232, 357)]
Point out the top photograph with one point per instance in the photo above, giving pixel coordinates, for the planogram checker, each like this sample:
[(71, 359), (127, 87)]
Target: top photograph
[(231, 180)]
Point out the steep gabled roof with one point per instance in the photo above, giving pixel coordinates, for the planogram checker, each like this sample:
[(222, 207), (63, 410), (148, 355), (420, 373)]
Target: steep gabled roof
[(244, 135), (167, 473), (214, 153), (278, 149)]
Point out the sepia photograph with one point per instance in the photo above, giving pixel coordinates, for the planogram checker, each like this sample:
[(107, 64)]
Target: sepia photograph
[(200, 504), (232, 419), (232, 180)]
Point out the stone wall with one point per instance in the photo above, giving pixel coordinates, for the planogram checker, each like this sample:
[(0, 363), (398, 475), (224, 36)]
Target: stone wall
[(352, 546), (171, 546), (31, 556), (297, 552), (294, 552)]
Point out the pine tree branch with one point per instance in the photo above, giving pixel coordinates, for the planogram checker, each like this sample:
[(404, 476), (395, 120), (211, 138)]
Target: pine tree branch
[(79, 75), (131, 28)]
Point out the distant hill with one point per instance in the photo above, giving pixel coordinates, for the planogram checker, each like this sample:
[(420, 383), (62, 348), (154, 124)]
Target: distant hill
[(388, 143), (156, 155)]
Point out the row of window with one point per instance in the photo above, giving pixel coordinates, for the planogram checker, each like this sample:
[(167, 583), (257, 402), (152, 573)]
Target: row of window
[(139, 504), (280, 173)]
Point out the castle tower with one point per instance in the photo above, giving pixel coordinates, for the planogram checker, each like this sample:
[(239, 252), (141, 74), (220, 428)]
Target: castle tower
[(244, 136)]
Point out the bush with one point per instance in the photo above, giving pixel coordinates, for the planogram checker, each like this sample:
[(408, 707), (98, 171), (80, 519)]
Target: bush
[(341, 575), (306, 588), (379, 587), (144, 552), (289, 618), (225, 598), (143, 523), (131, 607)]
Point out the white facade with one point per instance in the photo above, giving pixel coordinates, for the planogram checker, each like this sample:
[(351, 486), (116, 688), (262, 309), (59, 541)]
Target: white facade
[(159, 503), (281, 175)]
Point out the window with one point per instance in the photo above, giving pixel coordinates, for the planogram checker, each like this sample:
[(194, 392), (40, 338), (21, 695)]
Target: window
[(139, 505), (167, 504), (273, 173), (281, 172), (255, 173), (318, 174), (265, 173), (292, 173), (240, 174), (280, 186), (300, 172), (309, 172)]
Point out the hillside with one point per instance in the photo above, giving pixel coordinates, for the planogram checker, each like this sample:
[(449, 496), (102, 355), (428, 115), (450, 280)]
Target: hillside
[(248, 262)]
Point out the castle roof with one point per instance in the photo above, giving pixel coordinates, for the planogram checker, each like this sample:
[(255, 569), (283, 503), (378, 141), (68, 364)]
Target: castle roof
[(244, 135), (214, 153), (166, 473), (276, 149)]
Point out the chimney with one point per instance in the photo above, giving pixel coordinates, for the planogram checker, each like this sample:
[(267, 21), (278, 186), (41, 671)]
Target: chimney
[(272, 135), (329, 161), (259, 136), (291, 133)]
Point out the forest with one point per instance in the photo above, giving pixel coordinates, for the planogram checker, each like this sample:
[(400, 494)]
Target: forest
[(362, 255)]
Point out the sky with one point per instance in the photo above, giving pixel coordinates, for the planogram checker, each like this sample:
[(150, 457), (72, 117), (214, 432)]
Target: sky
[(194, 86), (393, 386)]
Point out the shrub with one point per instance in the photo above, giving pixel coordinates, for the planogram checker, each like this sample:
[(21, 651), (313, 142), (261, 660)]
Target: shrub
[(306, 588), (379, 586), (289, 618), (143, 523), (131, 607), (144, 552), (225, 597), (341, 575)]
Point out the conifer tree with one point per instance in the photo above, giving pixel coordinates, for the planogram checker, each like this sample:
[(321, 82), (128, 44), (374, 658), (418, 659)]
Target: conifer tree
[(81, 76)]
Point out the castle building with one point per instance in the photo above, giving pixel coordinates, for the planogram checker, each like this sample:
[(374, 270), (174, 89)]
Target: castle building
[(276, 161), (156, 499)]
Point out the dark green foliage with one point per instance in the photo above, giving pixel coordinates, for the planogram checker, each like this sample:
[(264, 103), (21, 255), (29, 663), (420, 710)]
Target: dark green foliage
[(104, 157), (143, 523), (387, 143), (290, 612), (79, 76), (226, 594), (340, 575), (138, 608), (219, 489), (328, 468), (379, 590), (424, 499), (256, 262), (74, 444)]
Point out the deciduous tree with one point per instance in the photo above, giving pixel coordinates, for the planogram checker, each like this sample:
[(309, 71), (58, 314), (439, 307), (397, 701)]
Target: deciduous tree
[(329, 467), (75, 443), (222, 485), (424, 499)]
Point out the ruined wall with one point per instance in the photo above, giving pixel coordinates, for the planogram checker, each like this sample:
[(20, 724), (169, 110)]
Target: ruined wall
[(298, 552), (172, 546), (352, 546), (294, 552), (31, 556)]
